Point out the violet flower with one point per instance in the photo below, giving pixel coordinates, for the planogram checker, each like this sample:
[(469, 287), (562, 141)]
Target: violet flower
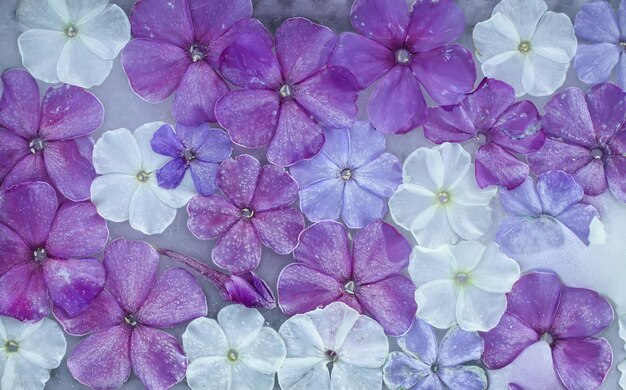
[(539, 215), (502, 127), (43, 143), (47, 252), (365, 275), (255, 209), (196, 151), (176, 48), (247, 289), (288, 95), (352, 177), (541, 309), (123, 322), (406, 51), (586, 138), (423, 364)]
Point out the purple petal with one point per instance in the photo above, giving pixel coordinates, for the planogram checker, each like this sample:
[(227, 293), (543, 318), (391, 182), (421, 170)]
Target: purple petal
[(581, 313), (566, 116), (596, 22), (421, 341), (360, 206), (385, 21), (534, 299), (102, 360), (397, 105), (31, 168), (19, 105), (496, 166), (211, 216), (209, 145), (172, 173), (279, 229), (73, 284), (459, 346), (77, 231), (490, 99), (592, 178), (238, 178), (274, 188), (104, 312), (363, 144), (506, 341), (243, 26), (329, 96), (558, 191), (464, 377), (131, 271), (324, 246), (616, 174), (23, 293), (297, 137), (303, 48), (13, 248), (556, 155), (162, 21), (250, 291), (302, 289), (402, 371), (69, 112), (524, 235), (70, 172), (211, 18), (449, 124), (380, 176), (199, 90), (523, 201), (322, 200), (175, 298), (204, 176), (582, 362), (578, 219), (434, 24), (12, 149), (154, 69), (366, 59), (166, 142), (518, 129), (391, 302), (447, 73), (594, 63), (238, 250), (607, 107)]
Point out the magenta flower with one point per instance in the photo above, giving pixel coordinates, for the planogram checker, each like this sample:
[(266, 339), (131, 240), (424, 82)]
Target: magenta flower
[(365, 275), (176, 48), (502, 127), (541, 309), (287, 96), (123, 322), (586, 138), (46, 143), (255, 209), (406, 51), (47, 252)]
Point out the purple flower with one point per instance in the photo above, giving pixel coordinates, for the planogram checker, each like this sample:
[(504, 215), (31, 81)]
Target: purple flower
[(47, 252), (195, 151), (288, 95), (586, 138), (502, 127), (406, 51), (45, 143), (255, 209), (541, 309), (604, 36), (538, 215), (424, 365), (176, 49), (352, 177), (246, 289), (123, 321), (365, 275)]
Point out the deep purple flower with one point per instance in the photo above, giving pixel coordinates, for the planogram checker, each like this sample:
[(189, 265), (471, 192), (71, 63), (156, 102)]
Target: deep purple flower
[(288, 95), (539, 215), (502, 127), (365, 275), (44, 143), (424, 365), (176, 48), (406, 51), (586, 138), (255, 209), (196, 153), (247, 289), (352, 177), (123, 322), (540, 308), (47, 252)]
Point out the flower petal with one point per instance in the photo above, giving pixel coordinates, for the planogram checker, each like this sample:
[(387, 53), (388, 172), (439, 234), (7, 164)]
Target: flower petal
[(324, 246), (265, 354), (581, 313), (37, 14), (12, 150), (534, 299), (459, 346), (506, 341), (238, 179), (469, 222), (365, 345), (434, 25), (345, 375), (240, 324), (522, 201), (607, 105), (44, 346), (384, 21), (278, 229), (113, 208), (541, 76), (24, 294), (409, 203), (80, 66), (420, 341), (507, 66), (275, 188), (323, 199), (70, 172), (210, 372), (582, 361), (495, 272), (449, 124), (615, 169), (204, 176), (13, 248), (304, 373), (518, 129), (494, 38), (391, 302), (243, 376), (436, 303), (579, 219), (320, 288), (103, 313), (211, 216), (148, 213), (464, 377), (488, 102), (479, 310), (380, 176), (558, 191), (107, 33), (524, 15), (592, 178), (19, 105), (196, 95), (172, 173), (594, 63), (545, 41), (566, 116), (212, 18), (162, 21), (496, 166), (117, 151), (81, 12), (558, 155), (204, 337), (239, 249), (596, 22), (403, 371), (41, 50), (360, 206)]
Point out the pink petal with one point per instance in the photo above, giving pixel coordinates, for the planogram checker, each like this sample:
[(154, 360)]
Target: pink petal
[(449, 124), (19, 106), (103, 313), (496, 166), (70, 172), (102, 360), (616, 177), (279, 229), (275, 188), (175, 298), (434, 24), (582, 363), (239, 249), (391, 302), (607, 105), (23, 293), (534, 299), (168, 21), (131, 271), (581, 313), (302, 288), (77, 231), (566, 116), (324, 246), (385, 21), (506, 341), (13, 248), (238, 178), (211, 18), (13, 148), (211, 216), (31, 168)]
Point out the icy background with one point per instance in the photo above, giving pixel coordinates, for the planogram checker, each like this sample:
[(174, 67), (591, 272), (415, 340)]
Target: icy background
[(601, 268)]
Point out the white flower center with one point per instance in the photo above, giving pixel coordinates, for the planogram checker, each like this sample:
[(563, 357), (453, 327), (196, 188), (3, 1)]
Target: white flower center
[(434, 368), (331, 355), (285, 91), (403, 56), (247, 213), (143, 176), (71, 31), (36, 145), (346, 174), (232, 355), (547, 337), (39, 255), (443, 197), (350, 287), (11, 346), (196, 53), (524, 47), (461, 277)]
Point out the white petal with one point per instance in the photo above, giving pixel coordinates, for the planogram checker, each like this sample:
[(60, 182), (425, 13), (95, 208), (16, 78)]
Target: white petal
[(432, 228), (507, 67), (554, 38), (426, 264), (479, 311), (408, 202), (349, 377), (240, 324), (470, 222), (117, 152), (334, 323), (496, 272), (436, 303), (41, 50), (524, 14), (597, 233), (304, 374), (209, 373), (107, 33), (150, 160), (622, 368), (494, 37), (541, 76), (365, 346), (245, 378), (148, 213), (176, 197), (112, 194), (80, 66), (467, 192), (82, 11), (456, 164), (203, 337), (467, 255), (45, 347), (3, 331), (424, 168), (19, 373), (301, 338), (266, 353), (41, 14), (17, 330)]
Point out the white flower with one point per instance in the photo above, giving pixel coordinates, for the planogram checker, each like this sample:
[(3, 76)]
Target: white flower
[(622, 365), (465, 284), (234, 352), (74, 42), (28, 351), (128, 188), (336, 338), (439, 200), (526, 46)]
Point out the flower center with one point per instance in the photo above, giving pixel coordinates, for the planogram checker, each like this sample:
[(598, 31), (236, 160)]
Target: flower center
[(443, 197), (196, 53), (434, 368), (547, 337), (36, 145), (481, 138), (622, 44), (232, 355), (285, 91), (143, 176), (331, 355), (350, 287), (403, 56), (346, 174), (461, 277), (39, 255), (11, 346), (188, 155), (71, 31), (131, 320), (524, 47), (247, 213)]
